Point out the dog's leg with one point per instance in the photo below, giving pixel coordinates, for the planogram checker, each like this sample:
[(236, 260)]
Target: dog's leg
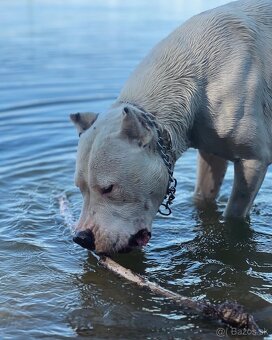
[(210, 174), (248, 177)]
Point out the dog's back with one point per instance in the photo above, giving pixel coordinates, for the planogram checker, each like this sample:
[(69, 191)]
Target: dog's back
[(209, 83), (222, 55), (240, 26)]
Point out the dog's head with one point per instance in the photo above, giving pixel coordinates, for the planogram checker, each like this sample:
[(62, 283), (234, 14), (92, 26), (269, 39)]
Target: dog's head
[(122, 179)]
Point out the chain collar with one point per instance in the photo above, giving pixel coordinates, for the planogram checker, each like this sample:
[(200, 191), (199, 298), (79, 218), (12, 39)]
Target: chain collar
[(164, 153)]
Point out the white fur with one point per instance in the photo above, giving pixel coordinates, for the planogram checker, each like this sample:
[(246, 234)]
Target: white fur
[(213, 72), (209, 83)]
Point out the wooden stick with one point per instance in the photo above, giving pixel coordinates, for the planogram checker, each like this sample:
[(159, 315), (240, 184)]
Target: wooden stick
[(229, 313), (143, 282)]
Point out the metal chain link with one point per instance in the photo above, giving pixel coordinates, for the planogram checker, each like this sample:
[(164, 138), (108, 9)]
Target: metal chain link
[(172, 182)]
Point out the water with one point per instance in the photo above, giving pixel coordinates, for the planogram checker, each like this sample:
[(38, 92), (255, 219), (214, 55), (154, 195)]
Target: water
[(59, 57)]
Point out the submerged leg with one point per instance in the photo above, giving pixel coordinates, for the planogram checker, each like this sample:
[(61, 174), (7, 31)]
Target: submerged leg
[(248, 178), (210, 175)]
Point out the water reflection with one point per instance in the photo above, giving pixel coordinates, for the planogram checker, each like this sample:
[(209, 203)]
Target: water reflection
[(62, 57), (216, 265)]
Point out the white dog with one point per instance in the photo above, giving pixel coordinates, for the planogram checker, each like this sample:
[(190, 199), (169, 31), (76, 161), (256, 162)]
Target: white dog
[(208, 85)]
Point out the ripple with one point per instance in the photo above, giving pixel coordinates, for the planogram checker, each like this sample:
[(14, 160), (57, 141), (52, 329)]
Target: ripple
[(54, 102), (50, 287)]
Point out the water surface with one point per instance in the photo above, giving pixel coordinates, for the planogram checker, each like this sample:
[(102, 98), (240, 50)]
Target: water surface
[(59, 57)]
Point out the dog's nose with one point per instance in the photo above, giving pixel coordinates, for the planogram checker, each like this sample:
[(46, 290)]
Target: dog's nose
[(85, 239)]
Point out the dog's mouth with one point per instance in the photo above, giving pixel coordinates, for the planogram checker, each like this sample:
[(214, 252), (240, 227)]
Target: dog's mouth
[(140, 239), (86, 240)]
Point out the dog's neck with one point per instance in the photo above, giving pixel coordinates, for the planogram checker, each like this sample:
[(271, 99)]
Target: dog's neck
[(164, 149), (175, 117)]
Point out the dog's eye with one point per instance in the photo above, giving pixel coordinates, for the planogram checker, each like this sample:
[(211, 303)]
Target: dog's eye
[(107, 189)]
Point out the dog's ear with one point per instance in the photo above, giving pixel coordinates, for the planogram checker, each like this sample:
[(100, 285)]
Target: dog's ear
[(133, 129), (83, 121)]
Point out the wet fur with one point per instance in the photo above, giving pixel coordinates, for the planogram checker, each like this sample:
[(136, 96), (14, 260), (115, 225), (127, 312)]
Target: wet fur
[(209, 84), (211, 80)]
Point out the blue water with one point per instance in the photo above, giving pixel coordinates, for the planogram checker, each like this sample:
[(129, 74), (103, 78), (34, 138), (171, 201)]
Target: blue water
[(59, 57)]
